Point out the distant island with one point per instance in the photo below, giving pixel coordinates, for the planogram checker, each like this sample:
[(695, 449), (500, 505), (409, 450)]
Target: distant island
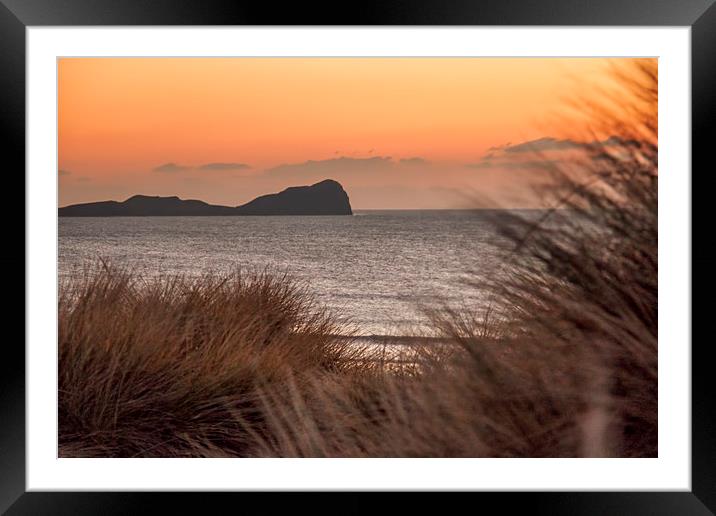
[(325, 198)]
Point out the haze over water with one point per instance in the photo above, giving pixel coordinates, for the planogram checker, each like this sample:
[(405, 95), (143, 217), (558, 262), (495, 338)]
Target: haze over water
[(375, 268)]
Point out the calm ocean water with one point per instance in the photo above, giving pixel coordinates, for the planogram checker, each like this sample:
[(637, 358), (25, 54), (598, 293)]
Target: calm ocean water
[(376, 268)]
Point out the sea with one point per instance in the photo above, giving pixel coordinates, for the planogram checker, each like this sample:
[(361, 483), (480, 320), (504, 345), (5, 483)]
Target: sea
[(376, 271)]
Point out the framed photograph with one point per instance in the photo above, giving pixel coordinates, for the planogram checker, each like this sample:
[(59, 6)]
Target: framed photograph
[(416, 249)]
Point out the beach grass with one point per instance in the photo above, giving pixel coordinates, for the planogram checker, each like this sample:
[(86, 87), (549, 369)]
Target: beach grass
[(162, 367)]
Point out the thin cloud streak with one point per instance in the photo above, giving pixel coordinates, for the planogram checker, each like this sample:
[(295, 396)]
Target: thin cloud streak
[(549, 143), (516, 165), (223, 166), (170, 167), (414, 161)]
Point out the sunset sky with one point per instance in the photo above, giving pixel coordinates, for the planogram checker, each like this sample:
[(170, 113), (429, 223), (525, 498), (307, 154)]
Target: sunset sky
[(396, 132)]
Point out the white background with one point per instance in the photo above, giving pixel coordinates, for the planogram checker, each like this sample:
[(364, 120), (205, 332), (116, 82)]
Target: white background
[(670, 471)]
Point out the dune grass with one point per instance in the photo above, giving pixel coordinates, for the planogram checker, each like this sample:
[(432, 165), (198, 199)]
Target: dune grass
[(162, 367), (563, 364)]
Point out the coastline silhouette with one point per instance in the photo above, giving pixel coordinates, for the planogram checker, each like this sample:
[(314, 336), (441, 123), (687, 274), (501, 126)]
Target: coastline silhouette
[(324, 198)]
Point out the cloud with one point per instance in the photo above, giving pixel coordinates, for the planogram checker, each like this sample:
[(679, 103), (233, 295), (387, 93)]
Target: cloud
[(521, 156), (544, 144), (340, 169), (215, 166), (223, 166), (548, 144), (342, 161), (414, 161), (515, 165), (499, 147), (170, 167), (62, 172)]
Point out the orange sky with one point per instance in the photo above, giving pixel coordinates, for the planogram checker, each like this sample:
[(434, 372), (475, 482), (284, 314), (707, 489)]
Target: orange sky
[(227, 129)]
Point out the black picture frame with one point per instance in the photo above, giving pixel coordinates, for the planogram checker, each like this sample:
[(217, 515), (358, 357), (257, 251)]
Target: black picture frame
[(17, 15)]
